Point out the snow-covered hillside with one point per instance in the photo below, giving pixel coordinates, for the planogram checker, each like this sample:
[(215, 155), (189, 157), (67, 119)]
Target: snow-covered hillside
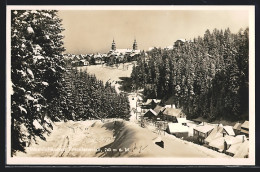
[(112, 138)]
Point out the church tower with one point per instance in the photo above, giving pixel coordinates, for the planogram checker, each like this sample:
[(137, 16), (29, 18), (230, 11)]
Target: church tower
[(135, 45), (113, 45)]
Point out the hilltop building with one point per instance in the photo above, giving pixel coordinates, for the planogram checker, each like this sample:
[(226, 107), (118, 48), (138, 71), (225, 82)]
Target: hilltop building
[(123, 55)]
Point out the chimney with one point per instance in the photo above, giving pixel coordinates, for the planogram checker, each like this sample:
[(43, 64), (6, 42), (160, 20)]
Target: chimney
[(243, 139)]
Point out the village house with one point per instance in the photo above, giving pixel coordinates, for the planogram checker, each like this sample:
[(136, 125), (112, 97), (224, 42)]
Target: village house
[(179, 42), (151, 114), (178, 130), (237, 128), (239, 150), (245, 128), (221, 138), (214, 134), (222, 144), (182, 121), (202, 131), (171, 114), (83, 63), (98, 59), (191, 125)]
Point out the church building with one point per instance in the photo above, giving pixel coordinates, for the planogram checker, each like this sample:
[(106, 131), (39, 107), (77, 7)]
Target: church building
[(123, 55)]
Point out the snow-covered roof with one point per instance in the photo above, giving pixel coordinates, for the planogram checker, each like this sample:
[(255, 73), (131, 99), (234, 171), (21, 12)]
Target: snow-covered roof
[(245, 124), (232, 140), (217, 143), (172, 112), (234, 148), (97, 56), (213, 135), (229, 130), (158, 108), (243, 150), (204, 128), (177, 128), (240, 150), (157, 100), (183, 40), (123, 51), (237, 126), (181, 120), (148, 101), (153, 112)]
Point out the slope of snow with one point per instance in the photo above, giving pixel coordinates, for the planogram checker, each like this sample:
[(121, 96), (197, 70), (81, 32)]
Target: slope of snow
[(110, 74), (111, 138)]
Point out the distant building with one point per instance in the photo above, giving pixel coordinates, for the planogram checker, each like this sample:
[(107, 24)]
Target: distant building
[(98, 59), (121, 55), (179, 42)]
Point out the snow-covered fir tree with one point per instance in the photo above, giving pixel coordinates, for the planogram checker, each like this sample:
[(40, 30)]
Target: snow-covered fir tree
[(36, 74)]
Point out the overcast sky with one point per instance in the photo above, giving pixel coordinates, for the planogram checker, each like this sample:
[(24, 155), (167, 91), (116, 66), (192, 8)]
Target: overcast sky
[(89, 31)]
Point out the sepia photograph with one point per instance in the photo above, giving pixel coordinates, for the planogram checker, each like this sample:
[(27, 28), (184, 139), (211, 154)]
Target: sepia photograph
[(130, 85)]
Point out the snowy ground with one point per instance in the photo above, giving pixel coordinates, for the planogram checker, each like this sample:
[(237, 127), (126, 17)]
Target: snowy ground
[(94, 138), (83, 138), (111, 74)]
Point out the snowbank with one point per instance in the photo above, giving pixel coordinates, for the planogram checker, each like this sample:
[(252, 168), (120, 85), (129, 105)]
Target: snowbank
[(112, 138), (134, 141)]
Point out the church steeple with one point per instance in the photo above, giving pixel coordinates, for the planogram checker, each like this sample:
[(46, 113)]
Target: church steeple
[(113, 45), (135, 45)]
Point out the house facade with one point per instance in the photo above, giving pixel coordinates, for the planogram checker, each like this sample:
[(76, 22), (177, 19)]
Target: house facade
[(171, 114), (201, 132), (179, 42)]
